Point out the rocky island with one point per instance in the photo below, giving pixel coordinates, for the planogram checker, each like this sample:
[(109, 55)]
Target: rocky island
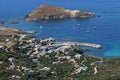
[(46, 12)]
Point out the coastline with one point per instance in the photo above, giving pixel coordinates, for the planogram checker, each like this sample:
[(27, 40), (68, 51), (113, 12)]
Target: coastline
[(25, 33), (15, 31), (47, 53), (60, 43)]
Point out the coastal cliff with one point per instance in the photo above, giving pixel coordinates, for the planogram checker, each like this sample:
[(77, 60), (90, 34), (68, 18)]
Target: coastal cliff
[(46, 12)]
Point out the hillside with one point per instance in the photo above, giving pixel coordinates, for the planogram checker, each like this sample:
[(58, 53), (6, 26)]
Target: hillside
[(45, 59)]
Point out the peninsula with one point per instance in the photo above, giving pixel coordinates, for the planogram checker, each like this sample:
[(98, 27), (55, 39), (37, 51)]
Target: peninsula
[(46, 12)]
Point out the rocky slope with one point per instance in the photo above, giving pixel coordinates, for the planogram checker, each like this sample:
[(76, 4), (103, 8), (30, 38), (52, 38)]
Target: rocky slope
[(7, 36), (45, 12), (8, 31)]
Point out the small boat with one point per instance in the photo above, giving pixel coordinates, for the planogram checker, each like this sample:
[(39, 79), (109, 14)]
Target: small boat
[(94, 27), (78, 24), (41, 27), (87, 31)]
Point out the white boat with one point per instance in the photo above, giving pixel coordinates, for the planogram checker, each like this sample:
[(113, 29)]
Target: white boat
[(41, 27), (78, 24), (87, 31), (94, 27)]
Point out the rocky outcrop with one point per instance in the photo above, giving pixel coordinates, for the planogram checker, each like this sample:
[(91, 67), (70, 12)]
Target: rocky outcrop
[(45, 12)]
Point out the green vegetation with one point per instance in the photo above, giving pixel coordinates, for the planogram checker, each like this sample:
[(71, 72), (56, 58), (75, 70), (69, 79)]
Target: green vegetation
[(109, 70), (55, 65)]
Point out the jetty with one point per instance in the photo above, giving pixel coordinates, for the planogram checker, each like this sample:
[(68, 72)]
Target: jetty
[(82, 44), (30, 32)]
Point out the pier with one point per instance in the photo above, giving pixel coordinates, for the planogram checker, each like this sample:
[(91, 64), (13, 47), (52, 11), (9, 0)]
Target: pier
[(82, 44)]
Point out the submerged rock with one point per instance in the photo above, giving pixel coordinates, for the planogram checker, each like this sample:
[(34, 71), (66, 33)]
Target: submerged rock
[(2, 23), (14, 22), (45, 12)]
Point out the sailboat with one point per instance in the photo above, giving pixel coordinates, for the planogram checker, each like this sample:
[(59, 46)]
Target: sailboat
[(88, 30)]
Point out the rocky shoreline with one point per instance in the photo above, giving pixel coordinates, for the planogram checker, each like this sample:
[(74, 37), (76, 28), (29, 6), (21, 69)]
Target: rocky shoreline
[(46, 12)]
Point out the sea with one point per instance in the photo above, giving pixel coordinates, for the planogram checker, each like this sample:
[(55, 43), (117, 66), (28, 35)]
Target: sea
[(104, 29)]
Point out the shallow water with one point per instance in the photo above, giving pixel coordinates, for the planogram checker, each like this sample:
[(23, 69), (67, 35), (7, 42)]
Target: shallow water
[(104, 30)]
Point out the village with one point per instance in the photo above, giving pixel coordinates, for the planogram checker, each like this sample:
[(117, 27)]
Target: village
[(23, 44), (22, 55), (59, 40)]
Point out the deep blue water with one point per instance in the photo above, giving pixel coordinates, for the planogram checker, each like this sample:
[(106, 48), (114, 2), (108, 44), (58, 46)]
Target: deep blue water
[(107, 32)]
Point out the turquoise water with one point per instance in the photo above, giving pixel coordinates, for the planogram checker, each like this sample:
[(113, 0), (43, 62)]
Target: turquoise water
[(107, 32)]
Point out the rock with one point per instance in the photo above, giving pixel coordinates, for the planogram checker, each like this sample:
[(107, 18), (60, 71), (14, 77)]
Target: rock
[(2, 23), (14, 22), (45, 12)]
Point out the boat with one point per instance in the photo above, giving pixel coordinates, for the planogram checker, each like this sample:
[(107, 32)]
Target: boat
[(41, 27), (78, 24), (94, 27), (87, 31)]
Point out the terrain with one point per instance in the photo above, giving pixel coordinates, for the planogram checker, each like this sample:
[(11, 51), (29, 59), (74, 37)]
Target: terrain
[(30, 58), (46, 12)]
